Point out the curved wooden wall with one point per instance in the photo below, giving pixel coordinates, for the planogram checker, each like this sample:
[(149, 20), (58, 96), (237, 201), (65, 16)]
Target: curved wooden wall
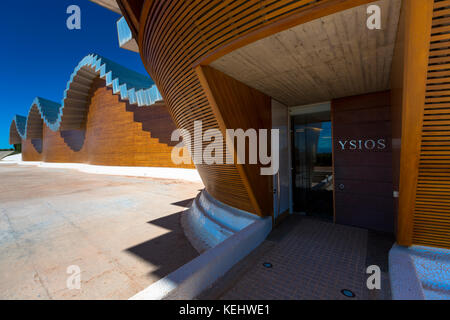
[(113, 136), (175, 36), (14, 137), (29, 151), (431, 224)]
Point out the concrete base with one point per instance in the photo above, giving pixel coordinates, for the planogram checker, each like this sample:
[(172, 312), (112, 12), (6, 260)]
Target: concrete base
[(209, 222), (224, 234), (149, 172), (419, 273), (191, 279)]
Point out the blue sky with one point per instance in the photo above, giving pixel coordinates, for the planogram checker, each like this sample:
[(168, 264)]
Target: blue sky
[(38, 53), (325, 138)]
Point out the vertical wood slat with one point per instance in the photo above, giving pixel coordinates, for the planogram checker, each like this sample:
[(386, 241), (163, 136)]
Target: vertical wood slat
[(409, 76)]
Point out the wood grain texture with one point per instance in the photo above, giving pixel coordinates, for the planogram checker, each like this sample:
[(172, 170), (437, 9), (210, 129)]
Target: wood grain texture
[(285, 21), (366, 199), (14, 137), (431, 222), (114, 135), (175, 35), (331, 57), (29, 152), (237, 106), (409, 74)]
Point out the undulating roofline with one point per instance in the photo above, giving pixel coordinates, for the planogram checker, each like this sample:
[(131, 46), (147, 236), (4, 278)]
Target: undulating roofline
[(132, 86)]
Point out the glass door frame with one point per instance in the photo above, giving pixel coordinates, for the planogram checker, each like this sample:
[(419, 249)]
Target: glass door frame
[(306, 109)]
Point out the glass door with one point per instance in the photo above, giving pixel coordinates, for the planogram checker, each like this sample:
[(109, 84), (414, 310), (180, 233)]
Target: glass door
[(312, 164)]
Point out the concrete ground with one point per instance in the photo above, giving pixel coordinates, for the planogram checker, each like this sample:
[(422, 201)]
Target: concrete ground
[(311, 260), (4, 154), (123, 233)]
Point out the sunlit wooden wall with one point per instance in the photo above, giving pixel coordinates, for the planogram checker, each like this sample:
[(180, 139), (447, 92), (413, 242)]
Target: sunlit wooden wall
[(176, 36), (421, 123), (113, 135)]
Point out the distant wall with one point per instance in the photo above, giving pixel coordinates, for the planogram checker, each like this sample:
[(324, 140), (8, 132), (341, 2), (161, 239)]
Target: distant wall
[(29, 152)]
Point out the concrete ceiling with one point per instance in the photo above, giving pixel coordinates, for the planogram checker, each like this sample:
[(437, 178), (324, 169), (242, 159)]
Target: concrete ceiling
[(335, 56)]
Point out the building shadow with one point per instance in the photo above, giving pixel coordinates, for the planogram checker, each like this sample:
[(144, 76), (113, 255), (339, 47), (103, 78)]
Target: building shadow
[(169, 251), (184, 203), (37, 144), (74, 138)]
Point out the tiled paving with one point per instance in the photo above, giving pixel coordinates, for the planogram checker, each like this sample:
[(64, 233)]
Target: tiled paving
[(312, 259)]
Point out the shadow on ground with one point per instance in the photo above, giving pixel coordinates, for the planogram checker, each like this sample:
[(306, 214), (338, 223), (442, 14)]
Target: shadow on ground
[(169, 251)]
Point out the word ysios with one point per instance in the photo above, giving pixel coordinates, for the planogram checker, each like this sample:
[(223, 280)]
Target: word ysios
[(368, 144), (213, 153)]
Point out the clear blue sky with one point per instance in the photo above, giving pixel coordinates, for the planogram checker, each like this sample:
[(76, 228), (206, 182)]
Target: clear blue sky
[(38, 53)]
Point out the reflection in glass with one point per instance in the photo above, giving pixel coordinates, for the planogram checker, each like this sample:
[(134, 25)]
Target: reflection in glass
[(313, 168)]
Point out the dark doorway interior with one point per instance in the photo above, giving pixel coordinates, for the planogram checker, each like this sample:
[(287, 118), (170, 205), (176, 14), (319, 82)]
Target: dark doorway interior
[(312, 164)]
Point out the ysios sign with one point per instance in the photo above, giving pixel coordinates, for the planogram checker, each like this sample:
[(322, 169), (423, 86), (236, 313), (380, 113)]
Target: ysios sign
[(363, 144)]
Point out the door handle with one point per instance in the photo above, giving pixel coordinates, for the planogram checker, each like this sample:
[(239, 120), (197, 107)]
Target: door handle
[(341, 186)]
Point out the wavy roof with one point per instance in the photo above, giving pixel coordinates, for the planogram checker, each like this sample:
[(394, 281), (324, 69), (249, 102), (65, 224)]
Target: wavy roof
[(21, 123), (130, 85), (17, 129)]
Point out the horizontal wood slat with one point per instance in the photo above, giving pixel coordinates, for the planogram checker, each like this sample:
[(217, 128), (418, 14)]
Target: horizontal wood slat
[(174, 35), (432, 205), (116, 134)]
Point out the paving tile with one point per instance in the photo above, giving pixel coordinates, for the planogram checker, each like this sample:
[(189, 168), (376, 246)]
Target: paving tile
[(314, 260)]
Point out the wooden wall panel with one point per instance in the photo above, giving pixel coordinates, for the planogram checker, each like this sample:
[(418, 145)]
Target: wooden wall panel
[(56, 150), (14, 137), (113, 136), (237, 106), (365, 176), (409, 72), (175, 35), (431, 224), (29, 152)]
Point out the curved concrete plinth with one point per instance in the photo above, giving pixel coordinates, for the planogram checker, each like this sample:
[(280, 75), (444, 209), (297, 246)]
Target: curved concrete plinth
[(148, 172), (419, 273), (209, 222), (224, 234)]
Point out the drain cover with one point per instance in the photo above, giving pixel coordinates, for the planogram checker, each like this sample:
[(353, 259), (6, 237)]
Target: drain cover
[(267, 265), (348, 293)]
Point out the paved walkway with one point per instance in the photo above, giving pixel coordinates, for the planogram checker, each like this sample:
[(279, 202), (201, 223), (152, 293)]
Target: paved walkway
[(311, 259), (123, 232)]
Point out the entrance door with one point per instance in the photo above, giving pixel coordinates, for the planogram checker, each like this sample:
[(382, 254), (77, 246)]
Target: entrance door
[(312, 164)]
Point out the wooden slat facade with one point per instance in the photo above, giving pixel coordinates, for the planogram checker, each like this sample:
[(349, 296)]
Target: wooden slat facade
[(113, 135), (175, 36), (431, 224), (14, 137), (237, 106), (421, 127)]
